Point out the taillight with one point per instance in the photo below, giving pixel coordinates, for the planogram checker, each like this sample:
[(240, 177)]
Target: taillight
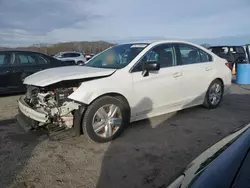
[(229, 65)]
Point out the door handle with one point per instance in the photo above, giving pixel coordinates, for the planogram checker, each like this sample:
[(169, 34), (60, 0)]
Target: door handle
[(208, 68), (177, 74)]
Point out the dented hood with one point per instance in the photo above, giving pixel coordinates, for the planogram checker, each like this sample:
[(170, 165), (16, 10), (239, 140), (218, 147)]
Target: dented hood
[(55, 75)]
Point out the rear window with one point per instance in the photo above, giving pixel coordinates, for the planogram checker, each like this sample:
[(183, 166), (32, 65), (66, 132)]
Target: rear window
[(240, 50)]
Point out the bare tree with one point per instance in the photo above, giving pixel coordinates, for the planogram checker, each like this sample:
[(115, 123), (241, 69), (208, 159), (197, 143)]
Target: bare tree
[(84, 47), (205, 45)]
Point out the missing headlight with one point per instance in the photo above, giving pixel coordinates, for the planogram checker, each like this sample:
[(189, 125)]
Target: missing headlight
[(62, 94)]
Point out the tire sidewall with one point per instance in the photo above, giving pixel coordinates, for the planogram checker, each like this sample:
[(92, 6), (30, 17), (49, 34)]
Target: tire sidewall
[(80, 63), (90, 112), (207, 102)]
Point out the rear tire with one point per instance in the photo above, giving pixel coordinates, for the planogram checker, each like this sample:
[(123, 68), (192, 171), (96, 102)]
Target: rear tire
[(80, 63), (214, 94), (92, 113)]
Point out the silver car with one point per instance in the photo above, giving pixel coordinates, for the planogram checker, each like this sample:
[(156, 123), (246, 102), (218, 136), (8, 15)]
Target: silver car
[(76, 57)]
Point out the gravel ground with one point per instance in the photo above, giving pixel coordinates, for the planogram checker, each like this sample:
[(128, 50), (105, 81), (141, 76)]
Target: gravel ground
[(150, 153)]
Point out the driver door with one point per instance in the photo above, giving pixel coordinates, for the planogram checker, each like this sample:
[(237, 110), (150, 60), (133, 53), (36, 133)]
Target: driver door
[(159, 91)]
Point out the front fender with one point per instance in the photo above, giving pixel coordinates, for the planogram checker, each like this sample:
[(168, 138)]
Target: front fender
[(87, 97), (90, 90)]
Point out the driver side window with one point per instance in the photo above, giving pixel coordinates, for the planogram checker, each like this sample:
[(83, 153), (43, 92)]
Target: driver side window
[(163, 54)]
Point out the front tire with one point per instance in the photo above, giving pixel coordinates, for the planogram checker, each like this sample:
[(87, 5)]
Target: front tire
[(80, 63), (214, 94), (105, 119)]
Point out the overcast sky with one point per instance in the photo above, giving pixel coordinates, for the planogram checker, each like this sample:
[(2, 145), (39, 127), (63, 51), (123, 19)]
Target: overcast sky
[(25, 22)]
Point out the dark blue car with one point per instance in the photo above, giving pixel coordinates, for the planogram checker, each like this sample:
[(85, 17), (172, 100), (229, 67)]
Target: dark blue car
[(224, 165)]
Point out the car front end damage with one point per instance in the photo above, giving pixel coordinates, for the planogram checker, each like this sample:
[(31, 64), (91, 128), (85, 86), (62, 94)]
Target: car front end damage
[(47, 103), (43, 107)]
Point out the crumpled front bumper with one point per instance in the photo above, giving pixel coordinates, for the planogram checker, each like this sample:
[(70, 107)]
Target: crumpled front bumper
[(29, 118), (27, 111)]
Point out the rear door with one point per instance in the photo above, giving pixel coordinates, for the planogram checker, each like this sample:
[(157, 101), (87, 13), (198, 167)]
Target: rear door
[(25, 64), (197, 69), (53, 62), (44, 62)]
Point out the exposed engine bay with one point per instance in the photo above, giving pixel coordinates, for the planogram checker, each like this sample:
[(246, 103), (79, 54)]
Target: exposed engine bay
[(54, 102)]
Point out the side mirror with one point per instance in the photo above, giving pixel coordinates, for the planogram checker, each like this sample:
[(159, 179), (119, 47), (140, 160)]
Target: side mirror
[(150, 66)]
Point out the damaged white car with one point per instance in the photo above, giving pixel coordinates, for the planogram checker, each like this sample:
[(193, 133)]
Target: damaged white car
[(125, 83)]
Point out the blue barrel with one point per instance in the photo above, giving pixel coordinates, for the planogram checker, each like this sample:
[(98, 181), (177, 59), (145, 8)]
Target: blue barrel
[(243, 73)]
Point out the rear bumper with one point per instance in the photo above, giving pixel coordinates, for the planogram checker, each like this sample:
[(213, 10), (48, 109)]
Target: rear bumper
[(26, 110)]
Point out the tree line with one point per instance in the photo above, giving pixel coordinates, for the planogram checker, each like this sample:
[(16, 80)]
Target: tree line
[(52, 49)]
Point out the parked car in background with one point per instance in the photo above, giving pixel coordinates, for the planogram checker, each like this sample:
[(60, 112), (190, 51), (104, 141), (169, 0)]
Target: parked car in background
[(224, 165), (16, 65), (123, 84), (233, 54), (75, 57), (247, 49)]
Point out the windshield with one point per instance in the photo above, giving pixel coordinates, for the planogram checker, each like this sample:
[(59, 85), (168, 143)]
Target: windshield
[(116, 57)]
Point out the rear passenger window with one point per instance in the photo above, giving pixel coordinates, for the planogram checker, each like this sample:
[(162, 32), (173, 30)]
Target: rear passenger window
[(24, 59), (70, 55), (76, 55), (205, 57), (189, 55), (41, 60), (192, 55)]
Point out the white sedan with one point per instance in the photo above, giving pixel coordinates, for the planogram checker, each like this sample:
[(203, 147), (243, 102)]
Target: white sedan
[(123, 84)]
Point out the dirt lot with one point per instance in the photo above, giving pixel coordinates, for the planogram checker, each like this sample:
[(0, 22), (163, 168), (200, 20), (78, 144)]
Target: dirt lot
[(149, 154)]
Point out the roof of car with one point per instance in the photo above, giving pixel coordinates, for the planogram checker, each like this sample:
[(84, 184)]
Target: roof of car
[(223, 46), (16, 50), (157, 41), (70, 52)]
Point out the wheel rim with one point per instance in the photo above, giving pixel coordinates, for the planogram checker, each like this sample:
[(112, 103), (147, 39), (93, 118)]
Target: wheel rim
[(107, 120), (215, 94)]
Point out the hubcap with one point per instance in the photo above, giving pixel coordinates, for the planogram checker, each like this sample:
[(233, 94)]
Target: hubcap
[(107, 120), (215, 94)]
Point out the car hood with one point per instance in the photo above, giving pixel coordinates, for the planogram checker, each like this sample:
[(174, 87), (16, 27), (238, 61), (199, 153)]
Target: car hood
[(55, 75)]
